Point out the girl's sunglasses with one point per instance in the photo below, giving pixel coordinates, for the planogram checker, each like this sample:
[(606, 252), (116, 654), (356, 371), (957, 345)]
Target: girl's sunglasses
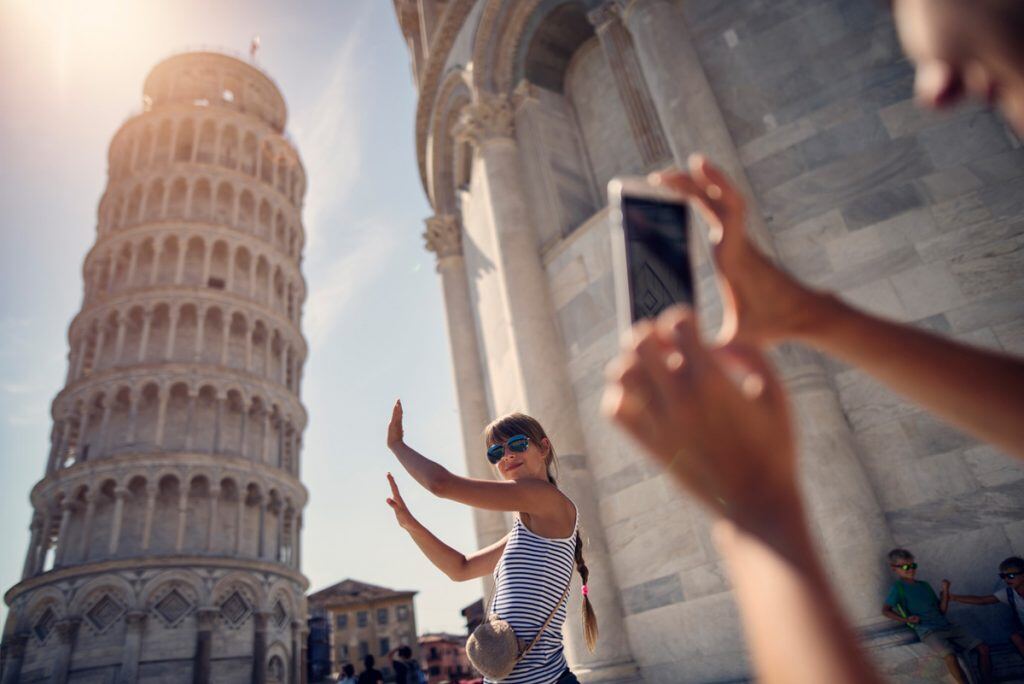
[(906, 566), (1009, 575), (516, 443)]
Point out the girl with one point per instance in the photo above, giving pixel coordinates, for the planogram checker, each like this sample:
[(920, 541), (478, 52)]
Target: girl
[(533, 563)]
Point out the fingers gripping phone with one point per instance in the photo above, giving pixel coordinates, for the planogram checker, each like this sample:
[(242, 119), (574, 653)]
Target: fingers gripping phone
[(650, 249)]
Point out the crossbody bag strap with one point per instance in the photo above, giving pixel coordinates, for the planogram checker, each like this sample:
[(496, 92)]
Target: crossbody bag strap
[(558, 605)]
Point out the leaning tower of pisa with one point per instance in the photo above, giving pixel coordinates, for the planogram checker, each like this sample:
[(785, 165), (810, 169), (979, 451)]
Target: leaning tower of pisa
[(165, 531)]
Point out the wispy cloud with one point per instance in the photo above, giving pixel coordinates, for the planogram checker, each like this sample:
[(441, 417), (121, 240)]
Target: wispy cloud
[(348, 276), (330, 136)]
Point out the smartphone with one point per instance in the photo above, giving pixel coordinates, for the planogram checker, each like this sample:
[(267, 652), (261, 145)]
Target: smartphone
[(650, 249)]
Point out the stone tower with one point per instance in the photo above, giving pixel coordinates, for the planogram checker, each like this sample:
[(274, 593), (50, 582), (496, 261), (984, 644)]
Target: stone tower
[(165, 532)]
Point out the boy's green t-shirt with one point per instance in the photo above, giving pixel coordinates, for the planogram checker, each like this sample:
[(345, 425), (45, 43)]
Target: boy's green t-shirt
[(918, 599)]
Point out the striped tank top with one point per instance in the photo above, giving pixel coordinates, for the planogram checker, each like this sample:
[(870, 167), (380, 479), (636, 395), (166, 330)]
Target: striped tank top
[(529, 580)]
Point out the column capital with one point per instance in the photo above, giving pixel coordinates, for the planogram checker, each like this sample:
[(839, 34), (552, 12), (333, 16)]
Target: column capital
[(443, 235), (607, 12), (526, 91), (122, 493), (135, 619), (261, 618), (206, 616), (68, 628), (488, 117)]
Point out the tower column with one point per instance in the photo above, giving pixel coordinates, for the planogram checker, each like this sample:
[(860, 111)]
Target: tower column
[(67, 508), (212, 526), (120, 494), (14, 655), (541, 381), (172, 332), (36, 528), (444, 238), (90, 514), (182, 517), (122, 327), (147, 321), (67, 632), (147, 525), (135, 623), (161, 416), (259, 648), (154, 272), (205, 618)]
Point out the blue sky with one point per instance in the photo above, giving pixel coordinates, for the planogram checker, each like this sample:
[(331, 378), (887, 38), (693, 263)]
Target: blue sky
[(72, 72)]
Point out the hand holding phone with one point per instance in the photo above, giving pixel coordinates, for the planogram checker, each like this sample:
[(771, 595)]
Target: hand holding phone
[(650, 249)]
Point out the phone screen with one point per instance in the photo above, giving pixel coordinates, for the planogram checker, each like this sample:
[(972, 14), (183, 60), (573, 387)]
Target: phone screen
[(657, 255)]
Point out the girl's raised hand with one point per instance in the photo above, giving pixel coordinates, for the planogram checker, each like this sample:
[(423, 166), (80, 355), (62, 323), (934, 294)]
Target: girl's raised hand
[(397, 503), (395, 432)]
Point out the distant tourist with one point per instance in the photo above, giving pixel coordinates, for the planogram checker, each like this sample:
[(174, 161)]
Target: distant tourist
[(348, 674), (407, 670), (370, 675), (1011, 571), (915, 604), (533, 563)]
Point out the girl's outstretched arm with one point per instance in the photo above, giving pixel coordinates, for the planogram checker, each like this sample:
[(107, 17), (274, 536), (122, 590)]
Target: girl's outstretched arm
[(529, 496), (455, 564)]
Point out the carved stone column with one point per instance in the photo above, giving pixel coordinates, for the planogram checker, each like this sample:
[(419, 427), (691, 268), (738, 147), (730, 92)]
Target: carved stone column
[(182, 517), (90, 514), (211, 529), (135, 623), (295, 662), (147, 324), (444, 237), (36, 529), (161, 416), (66, 510), (617, 45), (204, 645), (101, 443), (172, 333), (147, 525), (542, 386), (259, 648), (67, 633), (122, 327), (120, 494), (239, 521), (258, 499), (14, 656)]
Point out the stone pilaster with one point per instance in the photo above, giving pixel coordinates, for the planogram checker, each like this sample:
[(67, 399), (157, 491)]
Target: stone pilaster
[(204, 645), (135, 623), (541, 371), (13, 657), (259, 648), (67, 633), (620, 53)]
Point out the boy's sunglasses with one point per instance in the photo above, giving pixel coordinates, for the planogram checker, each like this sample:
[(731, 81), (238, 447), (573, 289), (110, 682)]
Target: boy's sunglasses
[(1009, 575), (906, 566), (516, 443)]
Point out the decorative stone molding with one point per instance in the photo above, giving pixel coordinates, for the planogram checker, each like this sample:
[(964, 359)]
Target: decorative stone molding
[(524, 92), (443, 236), (448, 28), (489, 117), (617, 44)]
